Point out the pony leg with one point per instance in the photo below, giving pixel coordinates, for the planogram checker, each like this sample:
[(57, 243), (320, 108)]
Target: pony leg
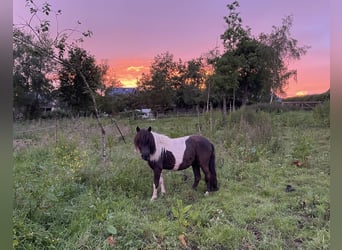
[(212, 169), (197, 175), (156, 181), (155, 193), (207, 179), (161, 183)]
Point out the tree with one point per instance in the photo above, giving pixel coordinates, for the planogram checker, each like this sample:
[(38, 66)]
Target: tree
[(254, 71), (192, 78), (172, 84), (72, 89), (234, 32), (227, 66), (159, 84), (225, 79), (32, 88), (283, 49), (55, 48)]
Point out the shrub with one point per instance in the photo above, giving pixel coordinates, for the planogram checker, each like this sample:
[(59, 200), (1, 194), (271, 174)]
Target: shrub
[(251, 127), (302, 149), (321, 114)]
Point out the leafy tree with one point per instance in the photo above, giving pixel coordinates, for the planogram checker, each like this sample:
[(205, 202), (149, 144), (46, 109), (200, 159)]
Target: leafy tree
[(284, 48), (72, 89), (254, 71), (159, 84), (192, 78), (225, 79), (31, 85), (235, 32), (227, 66), (56, 48), (172, 84)]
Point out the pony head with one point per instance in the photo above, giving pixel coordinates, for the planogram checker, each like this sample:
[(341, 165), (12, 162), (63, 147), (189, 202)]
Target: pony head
[(144, 142)]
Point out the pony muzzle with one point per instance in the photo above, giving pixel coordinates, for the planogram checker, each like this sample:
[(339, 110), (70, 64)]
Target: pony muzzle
[(145, 157)]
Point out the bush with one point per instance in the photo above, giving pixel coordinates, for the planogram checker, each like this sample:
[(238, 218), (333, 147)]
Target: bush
[(321, 114), (249, 132), (254, 126), (274, 107), (302, 149)]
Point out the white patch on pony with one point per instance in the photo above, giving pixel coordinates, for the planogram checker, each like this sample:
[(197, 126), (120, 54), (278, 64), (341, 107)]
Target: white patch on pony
[(175, 145), (154, 195), (206, 193), (161, 183), (162, 187)]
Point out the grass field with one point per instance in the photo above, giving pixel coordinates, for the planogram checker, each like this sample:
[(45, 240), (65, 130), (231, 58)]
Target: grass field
[(273, 172)]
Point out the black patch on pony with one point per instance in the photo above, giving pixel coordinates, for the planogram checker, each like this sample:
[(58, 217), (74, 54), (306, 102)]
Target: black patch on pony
[(168, 159)]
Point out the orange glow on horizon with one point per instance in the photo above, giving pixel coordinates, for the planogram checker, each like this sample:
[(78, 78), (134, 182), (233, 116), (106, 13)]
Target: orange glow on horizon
[(311, 78), (302, 93), (128, 71)]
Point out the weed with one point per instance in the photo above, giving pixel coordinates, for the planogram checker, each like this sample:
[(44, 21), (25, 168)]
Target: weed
[(180, 212), (302, 149), (321, 114)]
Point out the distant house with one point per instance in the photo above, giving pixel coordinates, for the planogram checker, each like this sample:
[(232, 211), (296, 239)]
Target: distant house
[(145, 113), (120, 91)]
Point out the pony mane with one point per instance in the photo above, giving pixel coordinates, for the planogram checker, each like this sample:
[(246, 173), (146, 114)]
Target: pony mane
[(145, 137)]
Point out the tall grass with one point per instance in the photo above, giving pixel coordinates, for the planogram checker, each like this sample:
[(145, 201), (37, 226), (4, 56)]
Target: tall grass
[(66, 198)]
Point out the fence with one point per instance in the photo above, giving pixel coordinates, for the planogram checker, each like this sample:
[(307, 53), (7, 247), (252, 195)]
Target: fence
[(81, 130), (302, 104)]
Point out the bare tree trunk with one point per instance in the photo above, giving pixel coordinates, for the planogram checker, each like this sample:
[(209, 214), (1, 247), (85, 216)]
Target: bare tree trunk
[(208, 97), (118, 128), (245, 96), (271, 99), (103, 131), (224, 110)]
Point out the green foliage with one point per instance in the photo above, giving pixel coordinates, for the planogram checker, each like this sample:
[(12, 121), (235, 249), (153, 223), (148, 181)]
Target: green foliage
[(321, 113), (74, 92), (170, 83), (38, 54), (252, 70), (296, 119), (250, 132), (111, 229), (302, 149), (180, 213), (68, 156), (317, 97), (66, 198), (31, 87)]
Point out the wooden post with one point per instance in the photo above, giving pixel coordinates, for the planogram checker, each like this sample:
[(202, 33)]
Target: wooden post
[(198, 119), (114, 121)]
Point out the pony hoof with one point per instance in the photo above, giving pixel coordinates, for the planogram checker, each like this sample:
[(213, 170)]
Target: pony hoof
[(206, 193), (153, 198)]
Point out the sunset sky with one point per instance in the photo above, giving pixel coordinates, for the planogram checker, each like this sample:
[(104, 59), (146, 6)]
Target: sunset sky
[(128, 34)]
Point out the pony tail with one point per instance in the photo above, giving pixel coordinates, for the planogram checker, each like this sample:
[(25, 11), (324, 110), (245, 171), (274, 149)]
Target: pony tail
[(212, 169)]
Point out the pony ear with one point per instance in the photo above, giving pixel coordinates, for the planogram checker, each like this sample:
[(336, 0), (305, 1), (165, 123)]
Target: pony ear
[(149, 129), (138, 129)]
